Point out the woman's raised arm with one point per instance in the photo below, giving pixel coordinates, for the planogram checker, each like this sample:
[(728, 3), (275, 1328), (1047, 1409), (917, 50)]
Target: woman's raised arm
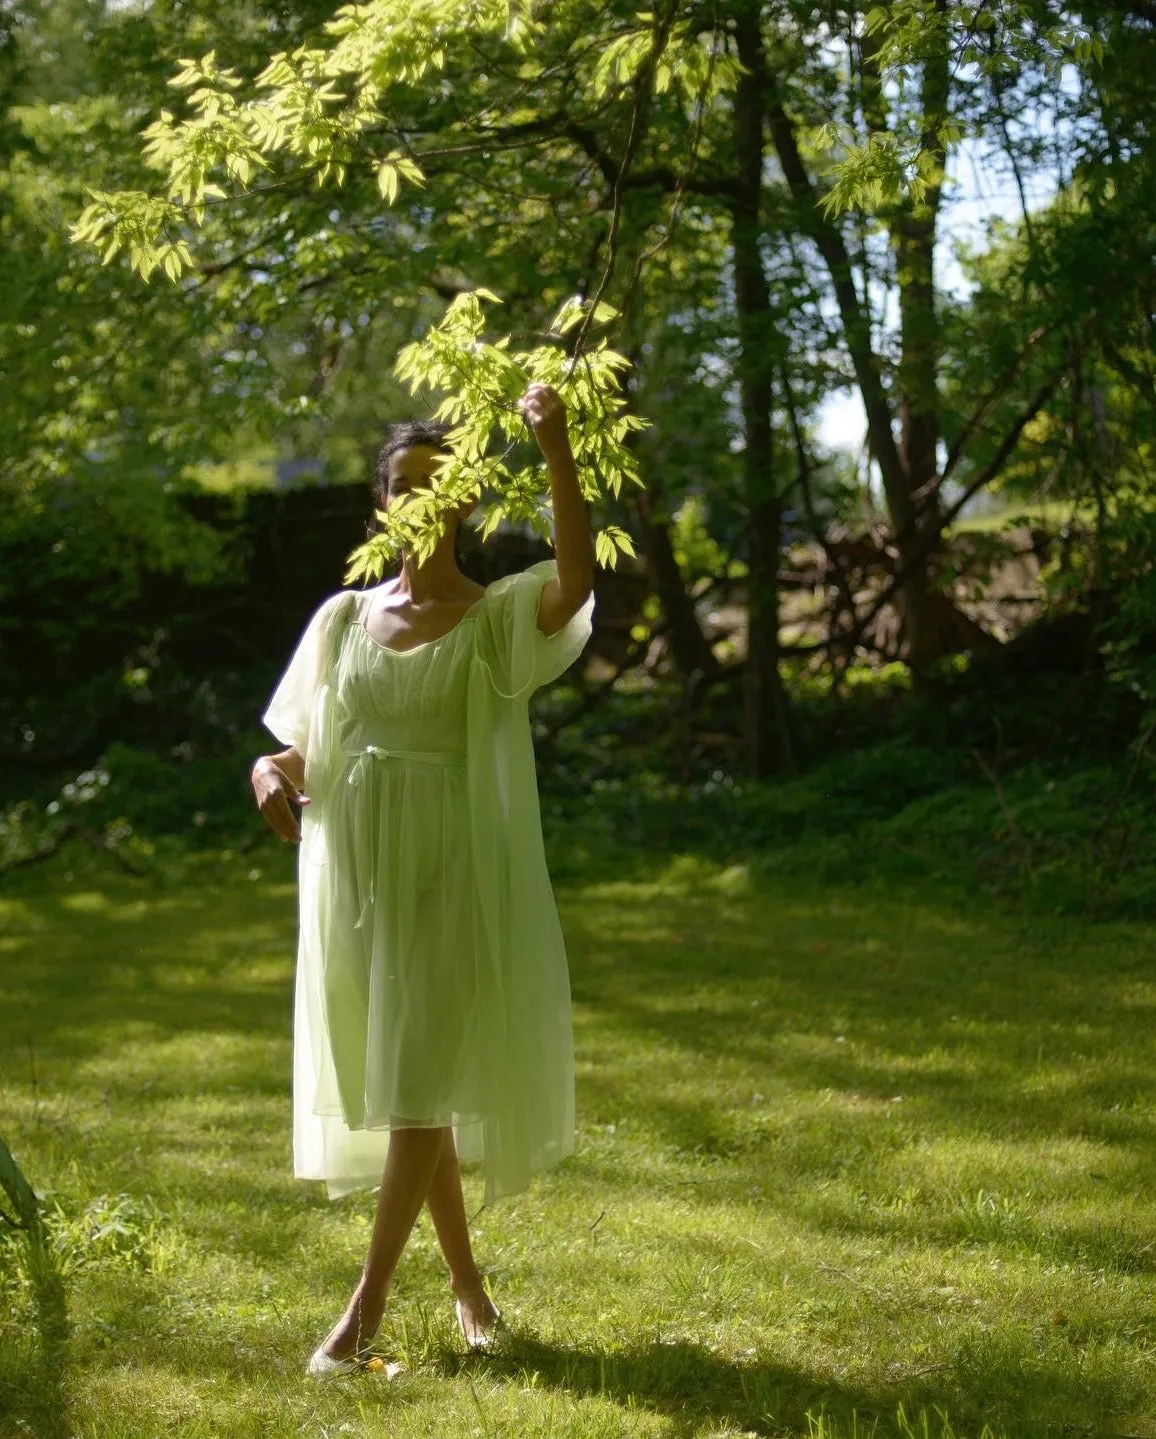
[(573, 544)]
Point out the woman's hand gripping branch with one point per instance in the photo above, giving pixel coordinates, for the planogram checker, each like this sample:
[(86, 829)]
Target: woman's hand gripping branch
[(545, 413)]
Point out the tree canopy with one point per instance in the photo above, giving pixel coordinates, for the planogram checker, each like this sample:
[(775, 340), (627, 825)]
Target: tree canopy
[(707, 218)]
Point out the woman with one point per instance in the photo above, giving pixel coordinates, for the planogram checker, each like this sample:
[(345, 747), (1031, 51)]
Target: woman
[(432, 1007)]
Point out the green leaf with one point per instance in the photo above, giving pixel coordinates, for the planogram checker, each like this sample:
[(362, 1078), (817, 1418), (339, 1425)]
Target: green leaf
[(493, 517), (387, 181)]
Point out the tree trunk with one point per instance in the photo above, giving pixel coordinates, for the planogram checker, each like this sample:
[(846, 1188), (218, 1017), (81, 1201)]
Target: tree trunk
[(689, 646), (930, 619), (768, 740), (692, 653), (932, 624)]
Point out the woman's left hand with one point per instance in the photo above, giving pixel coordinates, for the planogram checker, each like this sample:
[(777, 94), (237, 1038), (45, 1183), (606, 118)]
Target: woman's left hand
[(545, 413)]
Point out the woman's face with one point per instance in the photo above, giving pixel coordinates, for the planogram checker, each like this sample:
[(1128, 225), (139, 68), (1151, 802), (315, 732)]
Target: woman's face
[(411, 469), (415, 468)]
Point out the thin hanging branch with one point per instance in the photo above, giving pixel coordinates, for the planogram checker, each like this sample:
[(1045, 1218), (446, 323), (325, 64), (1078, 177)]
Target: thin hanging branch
[(981, 411), (660, 36)]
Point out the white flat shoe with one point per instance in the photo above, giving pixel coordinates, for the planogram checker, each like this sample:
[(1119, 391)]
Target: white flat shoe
[(480, 1340), (322, 1365)]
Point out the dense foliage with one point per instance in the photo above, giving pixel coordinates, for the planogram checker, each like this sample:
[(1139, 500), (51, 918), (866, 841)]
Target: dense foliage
[(701, 222)]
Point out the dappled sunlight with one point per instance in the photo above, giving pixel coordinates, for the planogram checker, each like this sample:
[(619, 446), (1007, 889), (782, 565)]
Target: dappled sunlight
[(93, 902), (897, 1071), (208, 1062), (115, 966), (835, 1152)]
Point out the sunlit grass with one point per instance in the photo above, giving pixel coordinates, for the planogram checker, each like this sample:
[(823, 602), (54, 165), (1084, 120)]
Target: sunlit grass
[(1051, 515), (841, 1152), (1048, 514)]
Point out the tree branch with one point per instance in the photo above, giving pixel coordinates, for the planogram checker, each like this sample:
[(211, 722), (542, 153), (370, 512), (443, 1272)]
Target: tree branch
[(658, 177), (832, 247), (1007, 445), (960, 444), (659, 39), (926, 542)]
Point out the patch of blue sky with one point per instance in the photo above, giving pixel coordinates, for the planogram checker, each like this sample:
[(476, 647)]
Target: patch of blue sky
[(982, 189)]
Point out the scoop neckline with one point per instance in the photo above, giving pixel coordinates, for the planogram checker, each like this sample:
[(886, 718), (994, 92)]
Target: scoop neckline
[(422, 644)]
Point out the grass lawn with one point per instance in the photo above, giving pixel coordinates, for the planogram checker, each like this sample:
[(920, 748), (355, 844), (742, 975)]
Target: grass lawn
[(1047, 514), (850, 1162)]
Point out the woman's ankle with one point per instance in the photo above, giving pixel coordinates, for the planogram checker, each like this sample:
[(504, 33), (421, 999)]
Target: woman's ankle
[(363, 1314), (467, 1286)]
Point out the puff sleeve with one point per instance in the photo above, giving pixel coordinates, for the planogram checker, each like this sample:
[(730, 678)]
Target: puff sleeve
[(517, 655), (289, 714)]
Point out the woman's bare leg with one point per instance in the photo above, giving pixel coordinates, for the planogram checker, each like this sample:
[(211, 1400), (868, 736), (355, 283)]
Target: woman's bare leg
[(448, 1212), (410, 1165)]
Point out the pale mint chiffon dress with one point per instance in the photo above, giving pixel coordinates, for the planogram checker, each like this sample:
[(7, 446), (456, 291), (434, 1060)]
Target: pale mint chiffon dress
[(431, 986)]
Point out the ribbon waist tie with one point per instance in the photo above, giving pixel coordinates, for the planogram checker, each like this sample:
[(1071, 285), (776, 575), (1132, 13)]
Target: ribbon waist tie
[(453, 759), (426, 756), (362, 759)]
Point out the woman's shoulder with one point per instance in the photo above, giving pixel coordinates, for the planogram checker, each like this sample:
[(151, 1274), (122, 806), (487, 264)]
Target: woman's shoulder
[(533, 576), (341, 605)]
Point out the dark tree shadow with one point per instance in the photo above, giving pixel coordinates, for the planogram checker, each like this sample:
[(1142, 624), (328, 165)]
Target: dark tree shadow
[(690, 1387), (33, 1391)]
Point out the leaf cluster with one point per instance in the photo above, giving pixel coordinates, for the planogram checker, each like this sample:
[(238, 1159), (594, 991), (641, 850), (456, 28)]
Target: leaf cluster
[(296, 113), (482, 382), (898, 156), (688, 62)]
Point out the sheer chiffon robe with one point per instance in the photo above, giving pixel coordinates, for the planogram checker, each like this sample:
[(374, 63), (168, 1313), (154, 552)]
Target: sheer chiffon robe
[(431, 985)]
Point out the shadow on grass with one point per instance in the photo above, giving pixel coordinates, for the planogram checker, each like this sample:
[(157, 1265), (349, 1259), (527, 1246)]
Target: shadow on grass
[(683, 1382), (113, 958), (1035, 1035), (691, 1387), (32, 1381), (982, 1025)]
